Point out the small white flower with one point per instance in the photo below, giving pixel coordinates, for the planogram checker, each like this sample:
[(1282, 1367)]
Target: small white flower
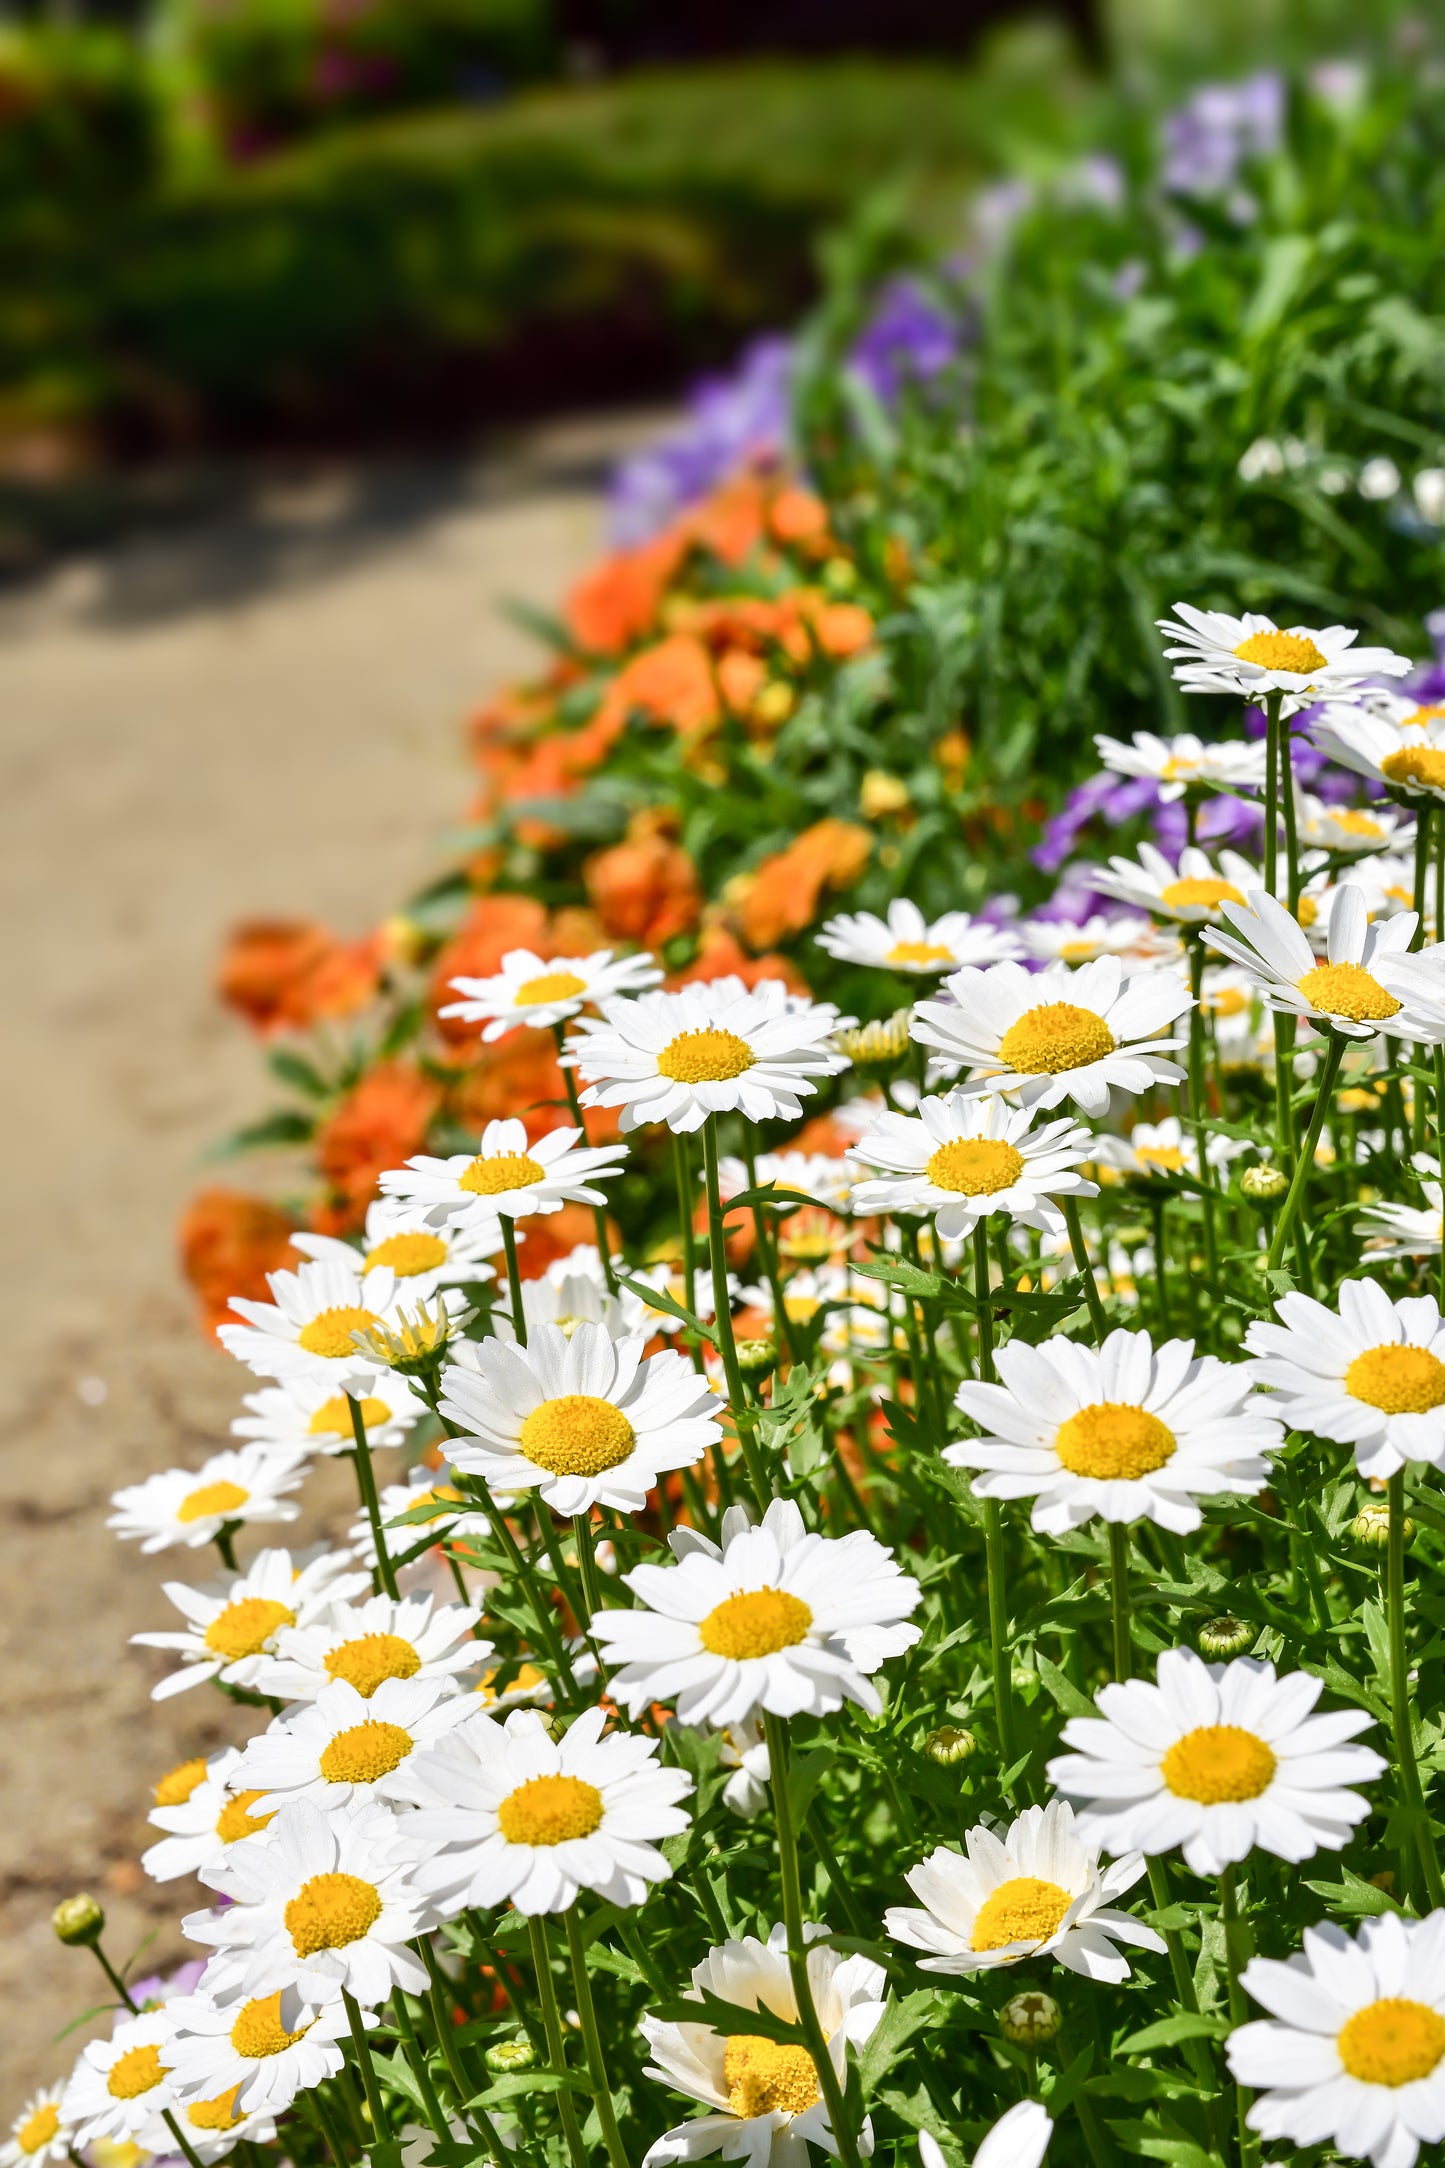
[(38, 2134), (232, 1625), (1216, 1759), (905, 941), (1379, 480), (1125, 1432), (716, 1048), (776, 1619), (1190, 893), (1350, 992), (1062, 941), (1352, 2054), (201, 1828), (541, 991), (1429, 493), (961, 1158), (1252, 657), (669, 1279), (744, 1750), (1033, 1890), (367, 1643), (505, 1812), (1167, 1147), (345, 1747), (306, 1330), (1370, 1374), (765, 2105), (313, 1415), (263, 2051), (1399, 745), (1350, 831), (178, 1507), (508, 1173), (1403, 1230), (423, 1487), (585, 1420), (1186, 762), (826, 1177), (121, 2087), (423, 1257), (1058, 1034), (571, 1291)]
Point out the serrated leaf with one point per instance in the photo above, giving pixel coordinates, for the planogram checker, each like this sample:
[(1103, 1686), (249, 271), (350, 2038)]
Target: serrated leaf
[(1061, 1690), (897, 1272), (890, 2037)]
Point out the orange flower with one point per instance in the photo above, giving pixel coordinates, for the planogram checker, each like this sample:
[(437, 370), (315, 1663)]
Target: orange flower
[(730, 522), (493, 925), (618, 603), (229, 1242), (644, 889), (742, 676), (951, 753), (282, 974), (842, 628), (380, 1123), (822, 1134), (797, 516), (670, 683), (518, 1077), (721, 956), (782, 896)]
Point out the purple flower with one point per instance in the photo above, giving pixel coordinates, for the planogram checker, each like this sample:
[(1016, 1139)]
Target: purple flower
[(731, 420), (1114, 798), (908, 338), (1209, 138)]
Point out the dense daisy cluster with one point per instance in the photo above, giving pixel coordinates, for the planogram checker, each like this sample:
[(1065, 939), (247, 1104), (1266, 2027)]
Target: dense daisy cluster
[(911, 1638)]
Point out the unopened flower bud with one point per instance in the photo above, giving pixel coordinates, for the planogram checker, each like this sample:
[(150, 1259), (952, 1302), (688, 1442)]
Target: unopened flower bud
[(78, 1920), (1225, 1636), (756, 1357), (949, 1745), (416, 1343), (876, 1044), (1371, 1527), (1263, 1186), (1030, 2020), (510, 2055)]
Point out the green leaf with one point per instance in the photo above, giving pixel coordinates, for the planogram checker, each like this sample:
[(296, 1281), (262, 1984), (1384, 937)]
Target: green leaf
[(288, 1125), (292, 1068), (890, 2037), (657, 1298), (1167, 2032), (728, 2017), (1061, 1690), (897, 1272)]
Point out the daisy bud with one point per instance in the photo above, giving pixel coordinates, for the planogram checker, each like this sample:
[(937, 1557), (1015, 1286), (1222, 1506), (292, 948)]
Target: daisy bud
[(510, 2055), (1225, 1636), (417, 1342), (1030, 2020), (1371, 1527), (78, 1920), (949, 1745), (1263, 1186), (756, 1357), (878, 1044)]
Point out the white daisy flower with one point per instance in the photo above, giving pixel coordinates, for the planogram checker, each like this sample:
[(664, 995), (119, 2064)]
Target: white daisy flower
[(231, 1626), (311, 1415), (504, 1812), (508, 1173), (1019, 2139), (905, 941), (423, 1257), (121, 2087), (571, 1291), (669, 1279), (215, 2127), (1387, 883), (1352, 2055), (776, 1619), (324, 1904), (1062, 941), (306, 1331), (717, 1048), (248, 1484), (1410, 762), (367, 1643), (345, 1747), (261, 2052), (423, 1487), (1167, 1147), (201, 1827), (1058, 1034), (1190, 893), (826, 1177), (38, 2134), (1186, 762), (744, 1750), (765, 2105), (1032, 1890), (1350, 992), (1124, 1432), (1216, 1759), (1403, 1230), (1252, 657), (961, 1158), (1370, 1374), (1351, 831), (585, 1420), (535, 990)]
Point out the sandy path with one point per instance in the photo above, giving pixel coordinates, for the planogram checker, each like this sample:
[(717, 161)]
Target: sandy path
[(258, 714)]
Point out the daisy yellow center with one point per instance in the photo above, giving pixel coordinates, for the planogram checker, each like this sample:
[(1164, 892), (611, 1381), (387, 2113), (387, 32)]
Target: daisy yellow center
[(1291, 651), (331, 1910), (577, 1434), (1306, 911), (176, 1786), (409, 1254), (550, 1810), (503, 1171), (212, 1500), (802, 1309), (1055, 1036), (1399, 1380), (1218, 1762), (705, 1057), (364, 1752), (1230, 1000), (768, 2077), (329, 1333), (1347, 990), (1355, 823), (258, 2031), (757, 1623), (551, 986), (1200, 895), (1421, 718), (365, 1662), (138, 2071), (1022, 1910), (245, 1626), (333, 1418), (1395, 2041), (236, 1820), (918, 955), (1416, 764), (218, 2114), (527, 1677), (1077, 952), (1167, 1156), (38, 2129), (975, 1166), (1113, 1441)]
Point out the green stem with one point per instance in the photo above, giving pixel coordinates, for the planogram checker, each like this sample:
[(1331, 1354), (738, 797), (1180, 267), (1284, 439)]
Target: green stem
[(514, 1279), (1197, 1108), (1417, 940), (1161, 1278), (592, 2041), (1272, 705), (416, 2058), (380, 2127), (556, 2052), (1291, 841), (1401, 1720), (723, 1321), (1085, 1270), (1119, 1597), (993, 1529), (682, 1178), (1236, 1953), (782, 1323), (1334, 1053), (599, 1212), (462, 2081), (225, 1542), (385, 1571), (790, 1875), (1440, 1138)]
